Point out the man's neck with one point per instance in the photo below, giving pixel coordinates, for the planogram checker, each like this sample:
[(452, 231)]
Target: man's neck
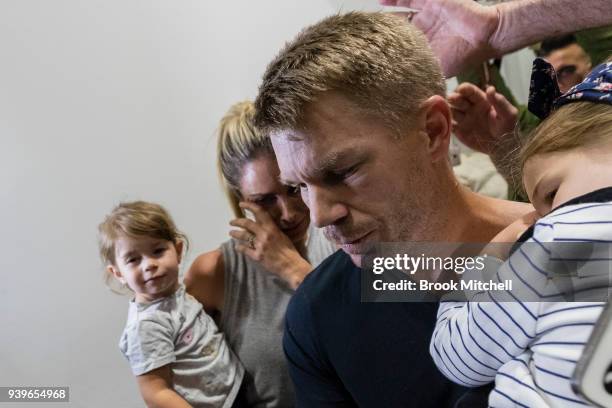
[(472, 217)]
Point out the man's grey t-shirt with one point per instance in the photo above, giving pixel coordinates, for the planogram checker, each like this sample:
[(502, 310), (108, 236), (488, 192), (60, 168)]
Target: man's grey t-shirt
[(175, 330)]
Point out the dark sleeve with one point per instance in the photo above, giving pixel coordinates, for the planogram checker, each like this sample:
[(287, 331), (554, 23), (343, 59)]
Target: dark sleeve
[(315, 383)]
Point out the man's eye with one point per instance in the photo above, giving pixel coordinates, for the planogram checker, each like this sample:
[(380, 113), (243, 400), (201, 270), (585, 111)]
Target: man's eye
[(159, 250), (341, 175), (131, 260)]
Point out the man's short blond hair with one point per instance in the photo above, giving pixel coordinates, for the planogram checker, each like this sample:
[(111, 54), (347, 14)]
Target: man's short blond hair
[(378, 61)]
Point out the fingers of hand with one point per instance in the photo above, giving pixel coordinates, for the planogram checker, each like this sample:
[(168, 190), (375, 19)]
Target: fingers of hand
[(458, 117), (241, 235), (458, 102), (405, 15), (246, 224), (471, 92), (260, 214), (248, 251), (502, 105)]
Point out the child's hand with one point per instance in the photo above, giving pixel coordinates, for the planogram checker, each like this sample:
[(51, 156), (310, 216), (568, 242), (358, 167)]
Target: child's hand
[(513, 231), (262, 241), (500, 245)]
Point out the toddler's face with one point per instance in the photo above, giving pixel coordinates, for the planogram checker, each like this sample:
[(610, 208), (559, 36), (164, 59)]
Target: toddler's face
[(552, 179), (149, 266)]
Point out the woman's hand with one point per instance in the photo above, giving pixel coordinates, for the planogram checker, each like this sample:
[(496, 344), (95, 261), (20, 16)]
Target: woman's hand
[(262, 241)]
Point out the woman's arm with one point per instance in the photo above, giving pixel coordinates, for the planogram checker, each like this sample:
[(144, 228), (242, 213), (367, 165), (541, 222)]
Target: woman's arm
[(156, 389), (205, 280)]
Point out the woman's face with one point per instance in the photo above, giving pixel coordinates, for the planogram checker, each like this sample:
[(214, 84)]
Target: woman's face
[(260, 184)]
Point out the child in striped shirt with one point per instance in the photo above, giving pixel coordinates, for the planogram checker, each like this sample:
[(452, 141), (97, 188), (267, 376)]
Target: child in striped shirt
[(531, 348)]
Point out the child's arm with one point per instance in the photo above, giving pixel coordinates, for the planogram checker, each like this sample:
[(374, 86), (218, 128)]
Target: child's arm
[(156, 389), (472, 340)]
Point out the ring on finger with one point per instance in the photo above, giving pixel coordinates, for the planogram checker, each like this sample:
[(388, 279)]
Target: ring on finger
[(251, 241)]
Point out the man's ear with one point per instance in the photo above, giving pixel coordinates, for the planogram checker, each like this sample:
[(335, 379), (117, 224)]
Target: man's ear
[(113, 270), (179, 250), (437, 125)]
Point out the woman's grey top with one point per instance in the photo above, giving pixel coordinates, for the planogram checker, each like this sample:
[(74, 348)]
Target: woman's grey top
[(253, 318)]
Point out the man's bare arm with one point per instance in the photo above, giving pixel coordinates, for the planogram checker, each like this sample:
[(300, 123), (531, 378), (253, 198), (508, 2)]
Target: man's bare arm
[(463, 33), (525, 22)]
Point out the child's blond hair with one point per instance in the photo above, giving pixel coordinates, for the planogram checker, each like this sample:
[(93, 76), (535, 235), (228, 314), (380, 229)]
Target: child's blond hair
[(577, 124)]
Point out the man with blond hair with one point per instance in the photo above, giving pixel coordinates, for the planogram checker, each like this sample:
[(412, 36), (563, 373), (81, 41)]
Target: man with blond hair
[(355, 106)]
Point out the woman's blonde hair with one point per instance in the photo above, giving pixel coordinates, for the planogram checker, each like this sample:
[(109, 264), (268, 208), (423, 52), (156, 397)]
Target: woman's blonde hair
[(135, 219), (239, 142), (577, 124)]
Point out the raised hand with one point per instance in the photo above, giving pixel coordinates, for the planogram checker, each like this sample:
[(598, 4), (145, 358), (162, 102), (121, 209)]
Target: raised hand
[(262, 241), (458, 31), (481, 120)]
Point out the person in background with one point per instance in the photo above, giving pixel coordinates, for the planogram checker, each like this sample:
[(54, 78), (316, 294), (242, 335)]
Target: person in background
[(248, 282)]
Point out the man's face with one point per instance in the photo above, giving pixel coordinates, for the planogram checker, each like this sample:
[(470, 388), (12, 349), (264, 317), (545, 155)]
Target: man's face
[(571, 64), (362, 183)]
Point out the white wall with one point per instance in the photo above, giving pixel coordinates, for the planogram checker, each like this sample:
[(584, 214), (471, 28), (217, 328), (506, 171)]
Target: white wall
[(102, 101)]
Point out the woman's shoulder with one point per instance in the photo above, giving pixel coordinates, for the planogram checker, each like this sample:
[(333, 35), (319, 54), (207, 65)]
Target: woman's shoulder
[(205, 279)]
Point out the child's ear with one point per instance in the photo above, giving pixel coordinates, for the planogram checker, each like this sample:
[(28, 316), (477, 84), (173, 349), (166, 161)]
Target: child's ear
[(179, 250), (113, 270)]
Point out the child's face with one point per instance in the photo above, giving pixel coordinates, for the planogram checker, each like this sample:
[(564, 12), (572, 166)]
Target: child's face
[(149, 266), (552, 179)]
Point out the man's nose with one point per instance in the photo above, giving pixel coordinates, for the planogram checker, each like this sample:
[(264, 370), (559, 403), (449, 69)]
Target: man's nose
[(325, 208)]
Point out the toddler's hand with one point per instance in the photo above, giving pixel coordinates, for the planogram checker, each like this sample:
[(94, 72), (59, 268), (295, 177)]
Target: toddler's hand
[(500, 245)]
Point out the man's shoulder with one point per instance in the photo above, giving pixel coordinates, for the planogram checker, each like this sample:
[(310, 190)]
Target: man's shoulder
[(324, 285), (333, 272)]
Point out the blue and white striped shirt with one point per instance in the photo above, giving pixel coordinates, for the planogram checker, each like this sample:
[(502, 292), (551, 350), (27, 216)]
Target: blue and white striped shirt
[(530, 349)]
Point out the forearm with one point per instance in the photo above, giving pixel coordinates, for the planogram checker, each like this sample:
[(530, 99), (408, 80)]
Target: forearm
[(448, 348), (472, 340), (165, 398), (156, 389), (525, 22), (295, 270)]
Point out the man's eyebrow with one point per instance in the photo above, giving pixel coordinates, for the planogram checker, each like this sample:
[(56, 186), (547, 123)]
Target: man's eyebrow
[(335, 161), (330, 163)]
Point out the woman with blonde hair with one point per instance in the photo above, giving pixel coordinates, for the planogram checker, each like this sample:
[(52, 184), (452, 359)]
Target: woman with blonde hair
[(248, 281)]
